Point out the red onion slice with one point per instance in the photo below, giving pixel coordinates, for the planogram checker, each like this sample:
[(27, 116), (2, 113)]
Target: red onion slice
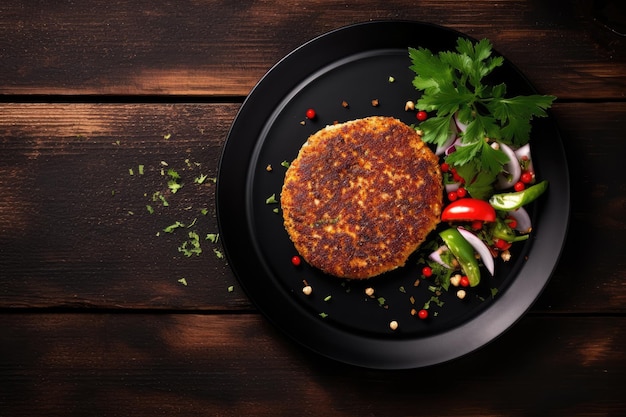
[(480, 247), (462, 127), (524, 153), (522, 219), (451, 138), (513, 169), (436, 256), (452, 147), (452, 187)]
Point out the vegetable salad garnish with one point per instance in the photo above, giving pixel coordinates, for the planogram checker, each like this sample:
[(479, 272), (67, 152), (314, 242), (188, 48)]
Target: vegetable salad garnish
[(482, 138)]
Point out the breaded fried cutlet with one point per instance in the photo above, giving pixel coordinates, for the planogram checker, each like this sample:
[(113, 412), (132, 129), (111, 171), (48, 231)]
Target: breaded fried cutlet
[(361, 196)]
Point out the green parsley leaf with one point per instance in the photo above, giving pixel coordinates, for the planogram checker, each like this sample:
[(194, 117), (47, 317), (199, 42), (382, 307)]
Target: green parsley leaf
[(452, 83)]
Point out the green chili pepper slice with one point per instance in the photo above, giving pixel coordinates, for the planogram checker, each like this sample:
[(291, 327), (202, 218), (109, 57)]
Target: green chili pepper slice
[(512, 201), (463, 252), (503, 231)]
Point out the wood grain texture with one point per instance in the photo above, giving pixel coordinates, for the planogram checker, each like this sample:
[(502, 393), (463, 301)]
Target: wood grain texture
[(188, 365), (75, 223), (77, 232), (101, 314), (217, 48)]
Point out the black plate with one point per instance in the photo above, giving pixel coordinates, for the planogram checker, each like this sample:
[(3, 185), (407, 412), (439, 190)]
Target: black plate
[(356, 65)]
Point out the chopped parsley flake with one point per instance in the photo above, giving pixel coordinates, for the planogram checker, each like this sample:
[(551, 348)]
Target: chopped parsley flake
[(200, 179), (218, 253), (212, 237), (271, 199), (191, 246), (435, 300), (172, 227), (174, 183), (183, 281), (323, 315), (149, 208), (158, 196), (231, 288)]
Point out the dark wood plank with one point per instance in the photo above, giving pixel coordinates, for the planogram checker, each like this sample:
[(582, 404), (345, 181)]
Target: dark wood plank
[(116, 47), (186, 365), (69, 238), (75, 224), (591, 272)]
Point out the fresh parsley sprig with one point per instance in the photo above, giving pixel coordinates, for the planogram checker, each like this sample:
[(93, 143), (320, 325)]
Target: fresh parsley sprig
[(452, 83)]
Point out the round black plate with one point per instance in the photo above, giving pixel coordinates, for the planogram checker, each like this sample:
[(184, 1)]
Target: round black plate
[(354, 66)]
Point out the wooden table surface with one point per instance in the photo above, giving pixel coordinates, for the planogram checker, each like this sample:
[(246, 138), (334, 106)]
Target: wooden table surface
[(100, 316)]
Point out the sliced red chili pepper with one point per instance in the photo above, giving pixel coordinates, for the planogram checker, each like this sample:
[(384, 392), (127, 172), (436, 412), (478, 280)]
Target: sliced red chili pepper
[(501, 244), (469, 209)]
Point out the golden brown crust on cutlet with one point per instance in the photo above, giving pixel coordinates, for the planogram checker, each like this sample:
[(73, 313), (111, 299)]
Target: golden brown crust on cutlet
[(361, 196)]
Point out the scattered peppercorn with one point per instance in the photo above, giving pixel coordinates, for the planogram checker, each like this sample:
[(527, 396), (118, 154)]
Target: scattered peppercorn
[(296, 260), (526, 177), (422, 314), (310, 114), (421, 115)]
